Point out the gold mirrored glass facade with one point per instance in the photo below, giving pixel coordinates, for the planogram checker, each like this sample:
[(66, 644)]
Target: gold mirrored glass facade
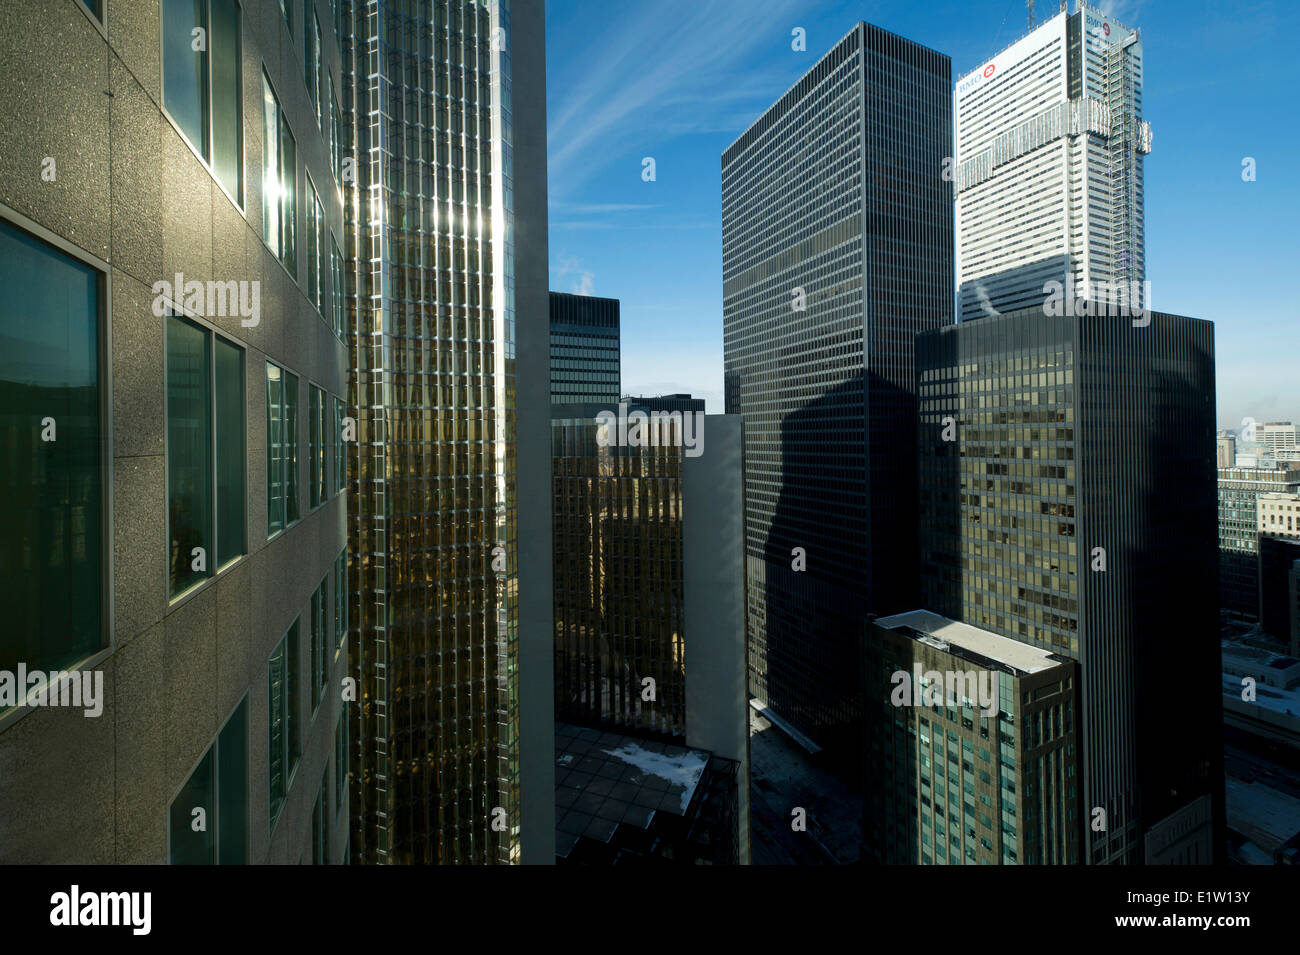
[(432, 527), (618, 573)]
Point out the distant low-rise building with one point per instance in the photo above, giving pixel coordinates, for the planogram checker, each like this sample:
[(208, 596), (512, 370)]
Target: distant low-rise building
[(1278, 514), (1225, 451), (1239, 492)]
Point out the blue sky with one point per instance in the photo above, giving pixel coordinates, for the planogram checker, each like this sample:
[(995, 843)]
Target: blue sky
[(678, 80)]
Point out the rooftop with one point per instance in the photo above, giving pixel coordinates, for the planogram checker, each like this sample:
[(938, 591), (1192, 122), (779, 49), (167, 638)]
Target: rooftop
[(1021, 657), (604, 779)]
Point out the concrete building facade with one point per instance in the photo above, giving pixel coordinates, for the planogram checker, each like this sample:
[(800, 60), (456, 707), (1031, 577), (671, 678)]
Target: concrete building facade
[(167, 216)]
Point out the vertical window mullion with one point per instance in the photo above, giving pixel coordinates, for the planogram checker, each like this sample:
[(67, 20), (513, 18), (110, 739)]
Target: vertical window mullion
[(215, 556), (216, 798), (209, 148)]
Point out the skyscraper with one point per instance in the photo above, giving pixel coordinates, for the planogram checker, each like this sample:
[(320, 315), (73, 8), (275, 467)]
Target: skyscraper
[(172, 526), (1050, 141), (585, 362), (445, 115), (1068, 502), (837, 251)]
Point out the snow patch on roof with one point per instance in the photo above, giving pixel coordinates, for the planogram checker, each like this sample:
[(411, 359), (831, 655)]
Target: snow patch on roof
[(681, 769)]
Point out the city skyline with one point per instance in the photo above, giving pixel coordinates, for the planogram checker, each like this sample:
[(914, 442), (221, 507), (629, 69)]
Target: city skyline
[(350, 517), (676, 95)]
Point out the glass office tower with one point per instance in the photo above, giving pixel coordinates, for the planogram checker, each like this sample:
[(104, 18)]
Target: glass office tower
[(837, 249), (585, 363), (435, 263), (1049, 168), (1068, 501)]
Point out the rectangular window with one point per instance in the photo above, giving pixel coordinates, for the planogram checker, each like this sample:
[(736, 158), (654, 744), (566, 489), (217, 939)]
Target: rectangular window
[(340, 451), (94, 7), (327, 111), (319, 643), (281, 449), (205, 453), (51, 484), (228, 374), (313, 68), (341, 598), (318, 415), (282, 697), (217, 793), (279, 181), (315, 243), (336, 287), (336, 138), (201, 83), (340, 759), (320, 826)]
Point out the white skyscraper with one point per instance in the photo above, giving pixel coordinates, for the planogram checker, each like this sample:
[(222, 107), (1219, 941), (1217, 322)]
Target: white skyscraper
[(1050, 141)]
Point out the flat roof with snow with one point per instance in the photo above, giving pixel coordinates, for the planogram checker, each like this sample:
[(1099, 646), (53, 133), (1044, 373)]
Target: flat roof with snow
[(606, 779), (1021, 657)]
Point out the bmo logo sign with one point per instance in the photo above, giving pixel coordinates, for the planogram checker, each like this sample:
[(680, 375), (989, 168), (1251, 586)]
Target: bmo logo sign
[(1098, 30), (976, 77)]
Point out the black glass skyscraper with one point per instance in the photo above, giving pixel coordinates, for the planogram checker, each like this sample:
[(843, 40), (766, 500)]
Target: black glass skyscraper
[(1068, 501), (585, 362), (837, 249)]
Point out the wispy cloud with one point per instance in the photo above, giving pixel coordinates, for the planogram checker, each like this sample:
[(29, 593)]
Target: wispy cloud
[(634, 77), (600, 208), (1126, 11)]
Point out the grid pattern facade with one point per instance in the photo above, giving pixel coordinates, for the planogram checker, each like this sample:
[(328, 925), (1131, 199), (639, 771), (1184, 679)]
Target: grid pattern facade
[(823, 291), (433, 530), (617, 539), (1279, 435), (1000, 542), (1066, 436), (585, 362), (1049, 168), (952, 786), (1239, 492)]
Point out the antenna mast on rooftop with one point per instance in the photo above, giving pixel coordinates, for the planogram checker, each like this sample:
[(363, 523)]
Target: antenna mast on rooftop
[(1030, 5)]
